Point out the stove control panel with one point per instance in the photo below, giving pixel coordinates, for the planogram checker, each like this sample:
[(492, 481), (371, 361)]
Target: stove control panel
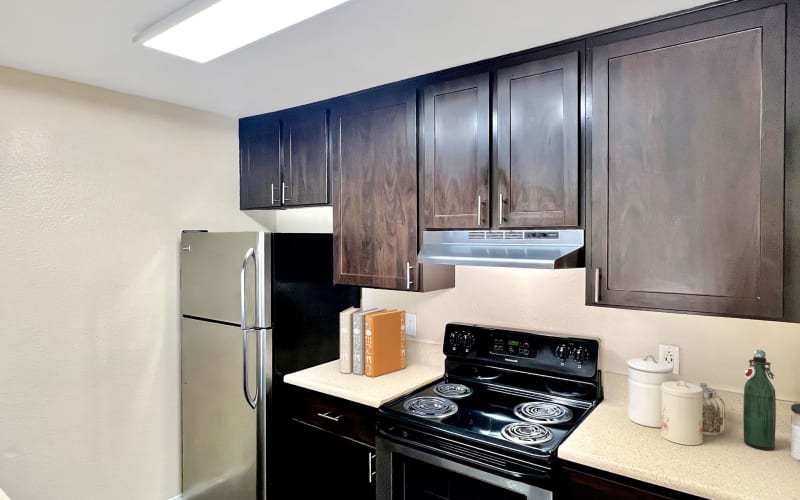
[(565, 355)]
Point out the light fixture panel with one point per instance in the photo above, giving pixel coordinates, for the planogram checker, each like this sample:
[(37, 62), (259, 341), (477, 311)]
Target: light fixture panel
[(205, 30)]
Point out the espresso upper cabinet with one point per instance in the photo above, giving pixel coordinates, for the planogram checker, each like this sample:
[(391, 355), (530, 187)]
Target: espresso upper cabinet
[(687, 166), (455, 153), (259, 162), (534, 175), (374, 188), (305, 157), (284, 159), (536, 162)]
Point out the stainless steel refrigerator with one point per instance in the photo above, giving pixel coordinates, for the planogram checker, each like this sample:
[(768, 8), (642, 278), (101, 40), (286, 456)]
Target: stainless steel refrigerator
[(254, 307)]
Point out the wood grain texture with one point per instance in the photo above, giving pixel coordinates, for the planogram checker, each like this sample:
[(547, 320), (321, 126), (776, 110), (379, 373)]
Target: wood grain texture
[(455, 153), (687, 167), (374, 188), (305, 157), (259, 162), (536, 166), (791, 254), (574, 483)]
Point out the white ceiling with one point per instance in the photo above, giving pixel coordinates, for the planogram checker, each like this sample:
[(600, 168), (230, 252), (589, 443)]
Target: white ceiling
[(360, 44)]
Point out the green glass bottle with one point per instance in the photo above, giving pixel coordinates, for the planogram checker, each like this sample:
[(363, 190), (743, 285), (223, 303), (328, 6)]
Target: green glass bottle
[(759, 404)]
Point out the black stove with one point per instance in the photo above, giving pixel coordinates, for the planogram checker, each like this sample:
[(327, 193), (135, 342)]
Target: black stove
[(508, 398)]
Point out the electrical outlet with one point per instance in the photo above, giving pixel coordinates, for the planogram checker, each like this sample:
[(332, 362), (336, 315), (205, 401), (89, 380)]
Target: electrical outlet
[(670, 354), (411, 324)]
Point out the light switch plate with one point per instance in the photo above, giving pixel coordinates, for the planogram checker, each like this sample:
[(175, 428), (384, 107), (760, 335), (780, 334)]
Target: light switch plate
[(411, 324)]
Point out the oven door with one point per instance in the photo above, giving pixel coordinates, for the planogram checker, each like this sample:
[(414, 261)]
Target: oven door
[(410, 471)]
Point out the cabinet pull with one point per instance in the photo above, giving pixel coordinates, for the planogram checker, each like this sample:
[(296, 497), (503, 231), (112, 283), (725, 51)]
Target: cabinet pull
[(328, 415), (371, 468), (272, 193), (500, 205), (597, 284), (408, 275), (480, 219), (284, 199)]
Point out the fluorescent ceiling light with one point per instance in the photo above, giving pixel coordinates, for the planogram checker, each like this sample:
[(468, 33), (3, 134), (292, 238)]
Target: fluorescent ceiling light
[(207, 29)]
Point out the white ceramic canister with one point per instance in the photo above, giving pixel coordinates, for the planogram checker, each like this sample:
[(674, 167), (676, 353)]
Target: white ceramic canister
[(645, 376), (682, 412)]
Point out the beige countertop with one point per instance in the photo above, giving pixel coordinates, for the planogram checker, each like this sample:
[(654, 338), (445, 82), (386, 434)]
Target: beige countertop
[(424, 364), (723, 467)]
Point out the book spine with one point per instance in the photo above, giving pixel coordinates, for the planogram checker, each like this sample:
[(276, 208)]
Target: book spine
[(345, 342), (402, 340), (369, 344), (358, 344)]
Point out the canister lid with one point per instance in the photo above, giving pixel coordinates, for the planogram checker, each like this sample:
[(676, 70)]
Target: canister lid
[(682, 389), (649, 364)]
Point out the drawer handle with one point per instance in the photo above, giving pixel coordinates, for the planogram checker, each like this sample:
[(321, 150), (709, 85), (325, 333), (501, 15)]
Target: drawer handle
[(371, 470), (328, 415)]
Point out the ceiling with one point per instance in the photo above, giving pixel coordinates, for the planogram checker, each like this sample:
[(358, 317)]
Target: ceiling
[(357, 45)]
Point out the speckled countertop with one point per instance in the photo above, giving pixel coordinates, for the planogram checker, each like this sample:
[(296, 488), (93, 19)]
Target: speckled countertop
[(723, 467), (424, 364)]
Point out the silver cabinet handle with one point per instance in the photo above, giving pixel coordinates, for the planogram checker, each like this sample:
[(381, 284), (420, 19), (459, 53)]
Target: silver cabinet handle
[(597, 284), (272, 193), (187, 248), (480, 219), (284, 199), (409, 282), (246, 382), (500, 208), (371, 469), (250, 254), (328, 415)]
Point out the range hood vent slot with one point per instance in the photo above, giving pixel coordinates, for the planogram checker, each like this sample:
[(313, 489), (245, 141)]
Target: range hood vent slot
[(540, 249)]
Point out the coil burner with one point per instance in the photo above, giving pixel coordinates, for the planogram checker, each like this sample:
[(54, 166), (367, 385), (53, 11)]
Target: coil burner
[(430, 407)]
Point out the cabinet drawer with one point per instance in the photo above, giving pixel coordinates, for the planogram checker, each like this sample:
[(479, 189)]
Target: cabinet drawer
[(342, 417)]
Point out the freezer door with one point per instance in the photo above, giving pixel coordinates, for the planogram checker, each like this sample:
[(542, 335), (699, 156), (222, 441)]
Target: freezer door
[(214, 268), (219, 435)]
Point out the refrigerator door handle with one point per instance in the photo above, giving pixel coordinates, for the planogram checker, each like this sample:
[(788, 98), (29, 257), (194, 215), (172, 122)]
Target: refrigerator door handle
[(250, 254), (245, 382)]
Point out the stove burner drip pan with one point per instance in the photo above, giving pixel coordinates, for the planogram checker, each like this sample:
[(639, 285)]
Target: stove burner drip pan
[(430, 407), (454, 391), (526, 433), (543, 413)]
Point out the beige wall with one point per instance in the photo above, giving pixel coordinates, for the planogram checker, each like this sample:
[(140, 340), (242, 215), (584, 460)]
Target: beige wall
[(713, 350), (94, 190)]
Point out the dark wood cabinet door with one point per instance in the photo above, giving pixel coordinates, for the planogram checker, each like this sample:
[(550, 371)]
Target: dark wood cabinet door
[(687, 167), (455, 153), (579, 483), (374, 189), (259, 163), (536, 165), (305, 157), (321, 464)]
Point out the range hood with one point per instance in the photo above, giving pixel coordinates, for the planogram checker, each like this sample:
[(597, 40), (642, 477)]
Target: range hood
[(538, 249)]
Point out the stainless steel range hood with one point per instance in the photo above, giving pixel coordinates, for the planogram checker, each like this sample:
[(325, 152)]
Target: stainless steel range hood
[(539, 249)]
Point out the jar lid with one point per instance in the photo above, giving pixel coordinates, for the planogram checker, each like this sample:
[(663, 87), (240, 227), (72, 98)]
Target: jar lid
[(682, 389), (796, 408), (649, 364)]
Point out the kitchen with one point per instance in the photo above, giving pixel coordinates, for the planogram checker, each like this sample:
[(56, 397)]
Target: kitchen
[(108, 181)]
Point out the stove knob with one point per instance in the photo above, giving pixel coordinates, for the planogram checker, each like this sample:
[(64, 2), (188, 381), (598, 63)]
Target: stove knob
[(469, 342), (580, 354), (562, 352)]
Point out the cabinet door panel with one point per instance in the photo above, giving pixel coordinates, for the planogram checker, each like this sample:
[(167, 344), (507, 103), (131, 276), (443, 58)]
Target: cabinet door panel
[(259, 164), (687, 167), (374, 167), (455, 153), (536, 170), (305, 158)]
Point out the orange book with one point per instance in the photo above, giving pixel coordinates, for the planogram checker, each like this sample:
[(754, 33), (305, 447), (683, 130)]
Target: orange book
[(384, 342)]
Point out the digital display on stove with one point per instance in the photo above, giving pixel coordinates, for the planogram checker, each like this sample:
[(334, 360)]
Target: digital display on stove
[(514, 343), (511, 346)]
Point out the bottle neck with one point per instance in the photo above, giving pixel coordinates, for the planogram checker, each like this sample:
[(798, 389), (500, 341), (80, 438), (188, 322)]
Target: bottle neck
[(762, 369)]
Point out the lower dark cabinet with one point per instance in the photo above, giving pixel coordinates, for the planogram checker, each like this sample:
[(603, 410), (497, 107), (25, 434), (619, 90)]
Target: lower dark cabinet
[(328, 448), (583, 482)]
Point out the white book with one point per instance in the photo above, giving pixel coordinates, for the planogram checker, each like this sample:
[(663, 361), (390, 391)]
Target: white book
[(358, 339), (346, 339)]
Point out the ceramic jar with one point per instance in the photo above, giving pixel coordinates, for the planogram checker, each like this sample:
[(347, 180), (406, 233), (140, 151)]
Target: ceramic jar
[(682, 412), (645, 376)]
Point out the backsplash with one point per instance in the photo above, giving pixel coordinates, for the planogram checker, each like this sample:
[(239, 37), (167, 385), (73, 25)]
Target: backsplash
[(714, 350)]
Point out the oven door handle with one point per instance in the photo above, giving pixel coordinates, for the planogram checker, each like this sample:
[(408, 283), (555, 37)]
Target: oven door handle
[(459, 452)]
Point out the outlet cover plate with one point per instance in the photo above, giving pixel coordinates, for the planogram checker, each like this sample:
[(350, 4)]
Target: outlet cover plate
[(411, 324), (670, 354)]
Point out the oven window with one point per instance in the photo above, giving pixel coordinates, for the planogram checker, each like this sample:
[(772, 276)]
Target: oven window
[(417, 480)]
